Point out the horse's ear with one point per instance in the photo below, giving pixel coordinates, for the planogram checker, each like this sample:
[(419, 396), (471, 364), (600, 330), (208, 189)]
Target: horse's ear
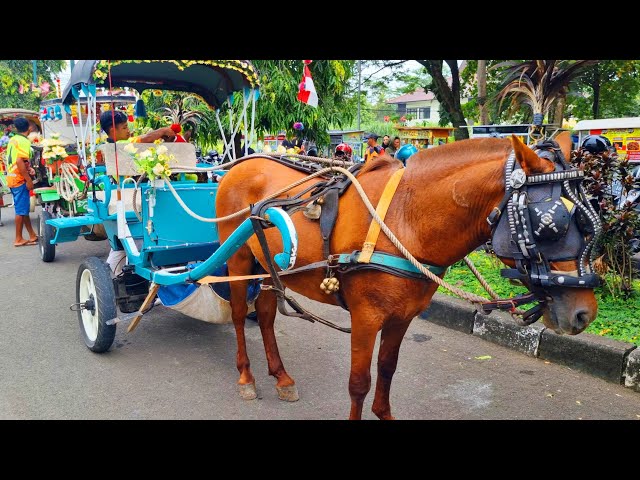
[(564, 140), (529, 161)]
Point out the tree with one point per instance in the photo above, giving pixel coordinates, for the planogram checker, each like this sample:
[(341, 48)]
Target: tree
[(17, 73), (538, 83), (481, 77), (599, 90), (278, 107), (448, 96)]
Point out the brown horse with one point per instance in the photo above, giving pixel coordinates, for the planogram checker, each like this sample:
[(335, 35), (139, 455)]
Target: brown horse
[(439, 213)]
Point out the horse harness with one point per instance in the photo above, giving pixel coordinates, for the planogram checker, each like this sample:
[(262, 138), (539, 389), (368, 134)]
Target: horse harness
[(538, 229), (322, 205)]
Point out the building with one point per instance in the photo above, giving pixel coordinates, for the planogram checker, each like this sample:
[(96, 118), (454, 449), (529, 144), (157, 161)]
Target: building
[(420, 105)]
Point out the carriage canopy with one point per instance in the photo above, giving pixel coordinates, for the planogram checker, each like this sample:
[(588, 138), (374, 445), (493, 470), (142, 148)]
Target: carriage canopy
[(213, 80)]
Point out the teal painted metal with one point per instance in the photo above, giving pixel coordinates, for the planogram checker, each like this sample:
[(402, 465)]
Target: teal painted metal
[(391, 261), (238, 238), (68, 228), (282, 221), (171, 226)]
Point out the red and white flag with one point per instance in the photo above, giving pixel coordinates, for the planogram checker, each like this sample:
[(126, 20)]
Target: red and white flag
[(307, 90)]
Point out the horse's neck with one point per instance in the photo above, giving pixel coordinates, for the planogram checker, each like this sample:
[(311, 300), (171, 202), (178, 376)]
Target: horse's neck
[(450, 208)]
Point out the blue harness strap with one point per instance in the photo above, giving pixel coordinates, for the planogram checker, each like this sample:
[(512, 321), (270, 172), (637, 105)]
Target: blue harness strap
[(387, 260)]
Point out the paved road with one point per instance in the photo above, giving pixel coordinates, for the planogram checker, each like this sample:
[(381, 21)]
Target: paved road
[(175, 367)]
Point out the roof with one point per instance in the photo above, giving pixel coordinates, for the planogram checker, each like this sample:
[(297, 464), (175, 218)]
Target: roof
[(340, 132), (7, 115), (213, 80), (419, 95), (608, 123)]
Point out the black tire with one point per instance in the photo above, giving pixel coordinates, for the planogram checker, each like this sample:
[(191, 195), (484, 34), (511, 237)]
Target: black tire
[(98, 233), (94, 282), (46, 233)]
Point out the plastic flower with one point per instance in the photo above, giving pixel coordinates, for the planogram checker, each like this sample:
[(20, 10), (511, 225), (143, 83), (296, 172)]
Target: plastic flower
[(154, 161), (53, 149), (158, 169)]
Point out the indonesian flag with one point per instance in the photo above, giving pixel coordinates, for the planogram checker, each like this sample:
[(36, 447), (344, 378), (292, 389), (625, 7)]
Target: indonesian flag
[(307, 90)]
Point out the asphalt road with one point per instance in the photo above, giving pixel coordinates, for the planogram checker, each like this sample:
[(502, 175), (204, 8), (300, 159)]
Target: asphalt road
[(175, 367)]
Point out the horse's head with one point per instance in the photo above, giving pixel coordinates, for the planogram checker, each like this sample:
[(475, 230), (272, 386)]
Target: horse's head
[(545, 228)]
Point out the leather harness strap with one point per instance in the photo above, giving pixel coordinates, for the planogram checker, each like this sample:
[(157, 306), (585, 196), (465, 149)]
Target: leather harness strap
[(383, 205)]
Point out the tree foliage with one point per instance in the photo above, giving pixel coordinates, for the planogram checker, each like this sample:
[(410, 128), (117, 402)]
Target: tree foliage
[(608, 89), (278, 107), (14, 73), (538, 83)]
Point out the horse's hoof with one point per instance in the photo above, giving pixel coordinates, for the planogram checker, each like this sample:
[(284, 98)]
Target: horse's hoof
[(288, 394), (247, 391)]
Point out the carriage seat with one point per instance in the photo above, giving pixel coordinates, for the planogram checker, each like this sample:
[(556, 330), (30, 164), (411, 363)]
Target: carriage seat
[(184, 154), (127, 197)]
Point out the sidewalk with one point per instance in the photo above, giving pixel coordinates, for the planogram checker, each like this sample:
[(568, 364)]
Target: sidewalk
[(612, 360)]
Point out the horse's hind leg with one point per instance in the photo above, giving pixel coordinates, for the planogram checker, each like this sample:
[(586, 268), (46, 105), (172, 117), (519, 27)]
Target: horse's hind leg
[(240, 264), (390, 340), (266, 307)]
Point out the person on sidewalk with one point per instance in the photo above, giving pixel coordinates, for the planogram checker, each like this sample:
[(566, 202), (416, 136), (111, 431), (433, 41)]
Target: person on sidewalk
[(19, 181)]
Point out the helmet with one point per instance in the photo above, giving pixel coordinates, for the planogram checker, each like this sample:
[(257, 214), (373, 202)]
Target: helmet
[(595, 144), (343, 149), (405, 151)]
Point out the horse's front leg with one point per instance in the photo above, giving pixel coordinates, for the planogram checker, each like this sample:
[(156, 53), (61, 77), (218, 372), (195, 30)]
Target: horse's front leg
[(364, 328), (266, 307), (390, 340)]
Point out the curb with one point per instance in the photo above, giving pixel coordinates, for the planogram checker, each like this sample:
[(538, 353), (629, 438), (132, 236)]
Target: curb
[(612, 360)]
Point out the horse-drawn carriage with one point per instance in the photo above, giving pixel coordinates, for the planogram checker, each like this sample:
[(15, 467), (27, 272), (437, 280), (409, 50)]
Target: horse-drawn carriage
[(179, 235)]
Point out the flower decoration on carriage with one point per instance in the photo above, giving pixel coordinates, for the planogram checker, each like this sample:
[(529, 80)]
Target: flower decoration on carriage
[(4, 140), (35, 138), (154, 161), (53, 149)]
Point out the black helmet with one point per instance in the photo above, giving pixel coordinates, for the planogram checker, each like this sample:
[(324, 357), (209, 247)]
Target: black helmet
[(595, 144)]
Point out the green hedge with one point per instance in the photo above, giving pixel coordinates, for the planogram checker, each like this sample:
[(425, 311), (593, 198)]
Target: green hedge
[(618, 317)]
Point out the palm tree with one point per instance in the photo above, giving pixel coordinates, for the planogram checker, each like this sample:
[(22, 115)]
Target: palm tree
[(180, 110), (538, 83)]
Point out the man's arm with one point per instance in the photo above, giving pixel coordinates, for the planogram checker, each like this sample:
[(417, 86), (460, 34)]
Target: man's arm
[(155, 135), (22, 168)]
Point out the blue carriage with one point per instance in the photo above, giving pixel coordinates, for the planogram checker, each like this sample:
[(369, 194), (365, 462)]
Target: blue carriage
[(161, 228)]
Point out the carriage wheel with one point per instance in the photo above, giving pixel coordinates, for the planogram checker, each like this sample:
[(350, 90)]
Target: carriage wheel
[(96, 300), (45, 234), (97, 233)]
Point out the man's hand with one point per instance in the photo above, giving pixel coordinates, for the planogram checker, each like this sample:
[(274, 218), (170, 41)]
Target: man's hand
[(168, 132), (29, 184)]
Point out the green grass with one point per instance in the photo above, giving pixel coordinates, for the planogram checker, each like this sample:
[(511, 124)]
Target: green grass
[(617, 318)]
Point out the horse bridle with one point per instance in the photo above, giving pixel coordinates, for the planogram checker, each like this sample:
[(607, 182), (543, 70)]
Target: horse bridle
[(548, 218)]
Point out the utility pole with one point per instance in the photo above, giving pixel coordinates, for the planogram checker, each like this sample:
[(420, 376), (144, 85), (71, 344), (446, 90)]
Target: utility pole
[(359, 78)]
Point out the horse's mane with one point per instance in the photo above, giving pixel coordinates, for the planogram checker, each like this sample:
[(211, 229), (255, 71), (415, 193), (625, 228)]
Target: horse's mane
[(459, 153)]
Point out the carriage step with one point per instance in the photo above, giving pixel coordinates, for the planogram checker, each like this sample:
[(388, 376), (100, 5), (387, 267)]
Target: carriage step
[(68, 228)]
